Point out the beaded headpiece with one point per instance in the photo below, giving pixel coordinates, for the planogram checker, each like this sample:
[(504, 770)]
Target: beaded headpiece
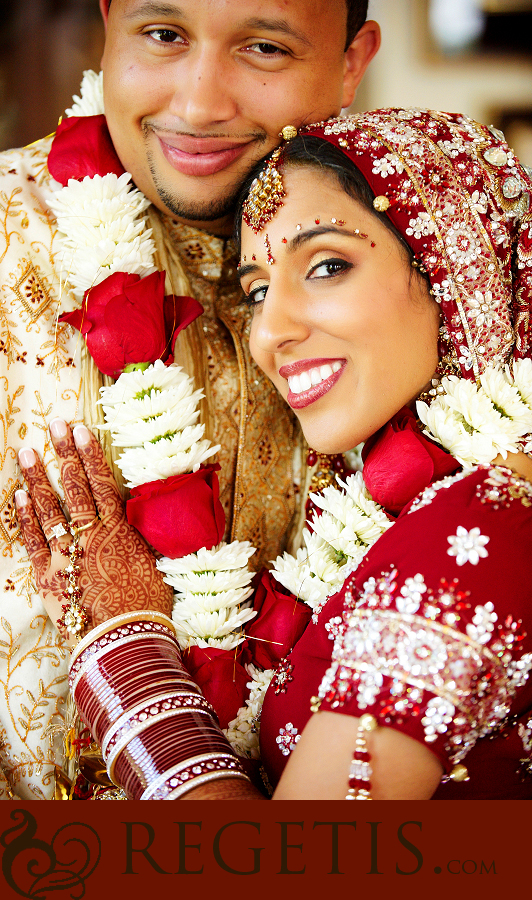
[(461, 200), (265, 194)]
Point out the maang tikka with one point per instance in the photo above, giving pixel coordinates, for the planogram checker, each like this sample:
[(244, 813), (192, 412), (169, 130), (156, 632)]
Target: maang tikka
[(267, 191), (265, 195)]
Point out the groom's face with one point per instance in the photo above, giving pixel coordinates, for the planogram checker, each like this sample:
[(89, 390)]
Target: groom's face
[(196, 91)]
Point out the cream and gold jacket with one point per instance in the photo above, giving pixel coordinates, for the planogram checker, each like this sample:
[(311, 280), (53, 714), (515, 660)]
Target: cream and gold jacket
[(44, 372)]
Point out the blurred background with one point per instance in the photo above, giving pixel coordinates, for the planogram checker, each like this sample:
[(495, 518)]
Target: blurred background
[(472, 56)]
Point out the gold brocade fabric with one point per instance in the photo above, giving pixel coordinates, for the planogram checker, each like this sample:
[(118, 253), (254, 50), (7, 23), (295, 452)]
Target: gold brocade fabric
[(44, 372), (257, 432)]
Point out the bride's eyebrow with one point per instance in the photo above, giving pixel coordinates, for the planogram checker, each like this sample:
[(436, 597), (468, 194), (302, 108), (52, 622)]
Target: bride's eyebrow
[(247, 270), (302, 237)]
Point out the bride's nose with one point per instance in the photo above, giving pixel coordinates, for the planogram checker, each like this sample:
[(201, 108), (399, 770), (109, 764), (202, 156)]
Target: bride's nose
[(280, 320)]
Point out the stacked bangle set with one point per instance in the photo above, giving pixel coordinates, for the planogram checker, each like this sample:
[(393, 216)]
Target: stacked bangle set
[(158, 734)]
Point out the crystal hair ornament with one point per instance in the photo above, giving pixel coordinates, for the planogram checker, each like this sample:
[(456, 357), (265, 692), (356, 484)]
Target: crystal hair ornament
[(265, 194)]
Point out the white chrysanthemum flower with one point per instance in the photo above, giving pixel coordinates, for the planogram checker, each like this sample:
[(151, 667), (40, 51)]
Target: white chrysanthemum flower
[(353, 489), (149, 424), (156, 378), (522, 377), (166, 427), (155, 462), (222, 558), (209, 582), (323, 559), (151, 413), (90, 103), (92, 265), (210, 628), (82, 206), (350, 518), (213, 588), (350, 523), (313, 574), (476, 423), (155, 404), (444, 426), (219, 602), (507, 399), (243, 732), (99, 230)]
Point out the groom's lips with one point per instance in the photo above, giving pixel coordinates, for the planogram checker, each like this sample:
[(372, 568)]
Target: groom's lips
[(200, 156)]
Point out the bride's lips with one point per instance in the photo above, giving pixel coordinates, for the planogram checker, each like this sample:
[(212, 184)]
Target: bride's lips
[(199, 156), (316, 391)]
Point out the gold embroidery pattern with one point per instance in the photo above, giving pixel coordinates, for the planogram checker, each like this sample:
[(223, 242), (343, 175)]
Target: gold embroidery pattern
[(34, 351), (31, 292)]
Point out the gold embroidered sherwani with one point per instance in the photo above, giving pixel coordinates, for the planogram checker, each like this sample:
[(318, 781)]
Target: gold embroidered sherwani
[(41, 375)]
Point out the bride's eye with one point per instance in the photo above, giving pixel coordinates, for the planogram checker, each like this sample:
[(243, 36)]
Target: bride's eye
[(256, 295), (329, 268)]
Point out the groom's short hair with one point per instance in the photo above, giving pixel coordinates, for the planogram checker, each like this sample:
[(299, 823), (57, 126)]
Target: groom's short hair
[(357, 13)]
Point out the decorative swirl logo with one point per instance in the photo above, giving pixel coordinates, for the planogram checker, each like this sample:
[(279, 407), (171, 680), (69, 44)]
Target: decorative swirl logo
[(33, 868)]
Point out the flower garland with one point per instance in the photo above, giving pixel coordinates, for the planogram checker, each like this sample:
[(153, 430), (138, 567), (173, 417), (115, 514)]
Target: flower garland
[(106, 256)]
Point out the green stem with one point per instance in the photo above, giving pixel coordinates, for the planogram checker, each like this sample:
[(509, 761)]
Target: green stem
[(137, 367)]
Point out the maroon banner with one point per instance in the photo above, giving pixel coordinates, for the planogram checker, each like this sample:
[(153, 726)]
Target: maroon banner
[(84, 849)]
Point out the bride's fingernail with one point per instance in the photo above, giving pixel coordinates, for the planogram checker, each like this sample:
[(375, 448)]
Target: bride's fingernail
[(82, 435), (26, 458), (21, 499), (58, 428)]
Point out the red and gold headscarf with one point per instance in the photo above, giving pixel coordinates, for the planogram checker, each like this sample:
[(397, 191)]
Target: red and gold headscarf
[(462, 201)]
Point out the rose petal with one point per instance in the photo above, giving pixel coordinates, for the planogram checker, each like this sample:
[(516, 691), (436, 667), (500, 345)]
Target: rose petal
[(82, 147)]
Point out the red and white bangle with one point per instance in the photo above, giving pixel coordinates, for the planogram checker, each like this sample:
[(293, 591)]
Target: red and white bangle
[(158, 734)]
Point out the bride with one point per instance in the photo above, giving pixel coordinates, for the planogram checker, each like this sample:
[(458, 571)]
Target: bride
[(387, 258)]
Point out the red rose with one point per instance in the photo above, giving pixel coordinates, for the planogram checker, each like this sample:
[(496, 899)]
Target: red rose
[(222, 678), (278, 625), (179, 312), (181, 514), (82, 147), (123, 320), (399, 462)]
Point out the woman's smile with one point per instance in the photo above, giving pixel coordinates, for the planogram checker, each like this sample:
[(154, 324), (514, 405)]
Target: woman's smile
[(310, 379)]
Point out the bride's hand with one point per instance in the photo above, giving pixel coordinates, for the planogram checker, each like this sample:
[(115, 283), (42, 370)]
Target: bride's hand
[(117, 569)]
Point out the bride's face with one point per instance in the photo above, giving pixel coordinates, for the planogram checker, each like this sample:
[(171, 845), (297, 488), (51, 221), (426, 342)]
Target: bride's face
[(343, 326)]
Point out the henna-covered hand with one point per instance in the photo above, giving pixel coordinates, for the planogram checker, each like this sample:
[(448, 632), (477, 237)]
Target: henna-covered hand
[(117, 568)]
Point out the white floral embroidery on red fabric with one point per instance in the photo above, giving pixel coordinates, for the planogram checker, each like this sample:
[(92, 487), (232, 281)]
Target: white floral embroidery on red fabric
[(483, 623), (287, 738), (411, 594), (467, 546)]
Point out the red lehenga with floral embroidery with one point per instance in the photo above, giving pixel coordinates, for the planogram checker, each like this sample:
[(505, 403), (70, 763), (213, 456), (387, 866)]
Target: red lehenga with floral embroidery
[(432, 635)]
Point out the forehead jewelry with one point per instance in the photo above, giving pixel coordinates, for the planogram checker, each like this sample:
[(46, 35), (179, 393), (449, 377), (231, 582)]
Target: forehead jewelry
[(268, 246), (265, 195)]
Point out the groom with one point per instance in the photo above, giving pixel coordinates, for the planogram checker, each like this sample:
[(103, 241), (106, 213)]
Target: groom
[(195, 92)]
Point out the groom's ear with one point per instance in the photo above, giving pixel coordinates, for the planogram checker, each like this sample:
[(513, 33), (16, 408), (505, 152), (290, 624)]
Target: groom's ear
[(104, 9), (357, 58)]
